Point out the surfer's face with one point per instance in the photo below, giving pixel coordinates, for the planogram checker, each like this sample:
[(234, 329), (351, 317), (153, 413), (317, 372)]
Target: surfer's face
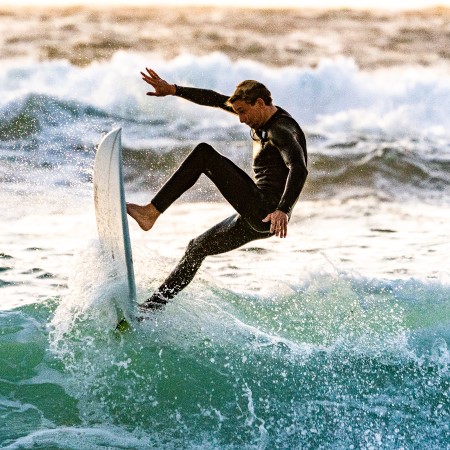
[(252, 115)]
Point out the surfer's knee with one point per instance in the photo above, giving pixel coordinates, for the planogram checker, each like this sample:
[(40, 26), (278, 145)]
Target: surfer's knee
[(204, 150), (195, 250), (203, 147)]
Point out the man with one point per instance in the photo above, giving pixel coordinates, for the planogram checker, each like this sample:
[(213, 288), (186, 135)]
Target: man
[(263, 207)]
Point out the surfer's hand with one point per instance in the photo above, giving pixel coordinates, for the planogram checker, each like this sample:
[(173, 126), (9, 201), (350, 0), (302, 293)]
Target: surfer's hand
[(162, 87), (278, 223)]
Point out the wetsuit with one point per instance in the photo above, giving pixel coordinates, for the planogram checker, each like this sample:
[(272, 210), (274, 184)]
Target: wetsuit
[(279, 165)]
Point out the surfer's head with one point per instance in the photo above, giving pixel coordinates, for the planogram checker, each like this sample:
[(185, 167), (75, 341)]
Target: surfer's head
[(252, 102), (249, 91)]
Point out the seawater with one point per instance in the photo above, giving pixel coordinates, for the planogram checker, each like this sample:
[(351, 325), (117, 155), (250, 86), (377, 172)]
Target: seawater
[(336, 337), (338, 363)]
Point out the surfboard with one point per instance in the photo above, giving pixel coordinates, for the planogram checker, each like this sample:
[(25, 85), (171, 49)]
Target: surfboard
[(111, 217)]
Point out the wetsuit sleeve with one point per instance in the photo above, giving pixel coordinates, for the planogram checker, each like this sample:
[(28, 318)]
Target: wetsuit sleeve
[(204, 97), (293, 154)]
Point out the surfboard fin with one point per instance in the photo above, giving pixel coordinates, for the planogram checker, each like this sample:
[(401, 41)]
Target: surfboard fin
[(122, 325)]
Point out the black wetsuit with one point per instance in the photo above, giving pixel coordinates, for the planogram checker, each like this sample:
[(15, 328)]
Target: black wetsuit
[(279, 165)]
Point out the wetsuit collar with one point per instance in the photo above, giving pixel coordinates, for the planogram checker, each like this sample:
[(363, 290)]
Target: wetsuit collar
[(279, 112)]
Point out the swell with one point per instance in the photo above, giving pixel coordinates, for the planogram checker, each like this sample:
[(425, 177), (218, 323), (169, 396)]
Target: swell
[(387, 170)]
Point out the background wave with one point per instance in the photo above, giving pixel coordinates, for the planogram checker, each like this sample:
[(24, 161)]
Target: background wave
[(382, 131)]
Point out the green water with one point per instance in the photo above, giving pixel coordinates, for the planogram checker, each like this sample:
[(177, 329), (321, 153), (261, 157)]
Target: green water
[(339, 364)]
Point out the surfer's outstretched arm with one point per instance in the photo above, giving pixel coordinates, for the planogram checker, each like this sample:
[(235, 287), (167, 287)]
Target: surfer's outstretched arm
[(204, 97), (145, 215)]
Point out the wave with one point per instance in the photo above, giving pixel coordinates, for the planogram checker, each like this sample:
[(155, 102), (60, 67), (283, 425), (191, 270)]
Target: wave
[(388, 170), (381, 130), (335, 95), (340, 361), (32, 114)]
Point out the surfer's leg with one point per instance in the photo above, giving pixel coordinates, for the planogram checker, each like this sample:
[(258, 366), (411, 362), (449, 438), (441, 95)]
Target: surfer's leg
[(234, 184), (227, 235)]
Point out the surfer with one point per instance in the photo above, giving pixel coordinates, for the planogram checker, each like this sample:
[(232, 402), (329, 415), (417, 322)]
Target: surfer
[(263, 206)]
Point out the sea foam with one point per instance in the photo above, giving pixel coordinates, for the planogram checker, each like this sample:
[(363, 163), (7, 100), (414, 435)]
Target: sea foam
[(334, 97)]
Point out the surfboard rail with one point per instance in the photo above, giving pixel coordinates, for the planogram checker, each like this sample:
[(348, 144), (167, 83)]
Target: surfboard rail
[(111, 214)]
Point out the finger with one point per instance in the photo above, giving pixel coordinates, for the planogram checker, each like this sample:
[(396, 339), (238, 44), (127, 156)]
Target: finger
[(272, 227), (267, 218), (153, 74), (280, 229), (284, 231), (147, 79), (276, 228)]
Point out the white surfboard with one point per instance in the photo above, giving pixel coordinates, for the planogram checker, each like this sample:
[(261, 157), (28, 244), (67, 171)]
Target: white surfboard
[(111, 214)]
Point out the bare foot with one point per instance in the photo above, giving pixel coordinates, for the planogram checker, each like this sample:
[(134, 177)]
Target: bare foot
[(145, 215)]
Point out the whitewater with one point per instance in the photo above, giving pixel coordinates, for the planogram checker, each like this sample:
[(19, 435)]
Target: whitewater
[(336, 337)]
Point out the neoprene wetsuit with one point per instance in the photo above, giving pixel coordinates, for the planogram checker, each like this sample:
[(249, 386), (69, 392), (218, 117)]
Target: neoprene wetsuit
[(280, 169)]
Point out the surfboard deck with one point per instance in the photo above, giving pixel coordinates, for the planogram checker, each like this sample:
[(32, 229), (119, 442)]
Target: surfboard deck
[(112, 222)]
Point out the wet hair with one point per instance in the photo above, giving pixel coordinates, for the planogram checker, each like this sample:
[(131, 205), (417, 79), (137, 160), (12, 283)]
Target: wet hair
[(249, 91)]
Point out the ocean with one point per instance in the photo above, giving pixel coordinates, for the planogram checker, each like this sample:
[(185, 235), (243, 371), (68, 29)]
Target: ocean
[(334, 338)]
